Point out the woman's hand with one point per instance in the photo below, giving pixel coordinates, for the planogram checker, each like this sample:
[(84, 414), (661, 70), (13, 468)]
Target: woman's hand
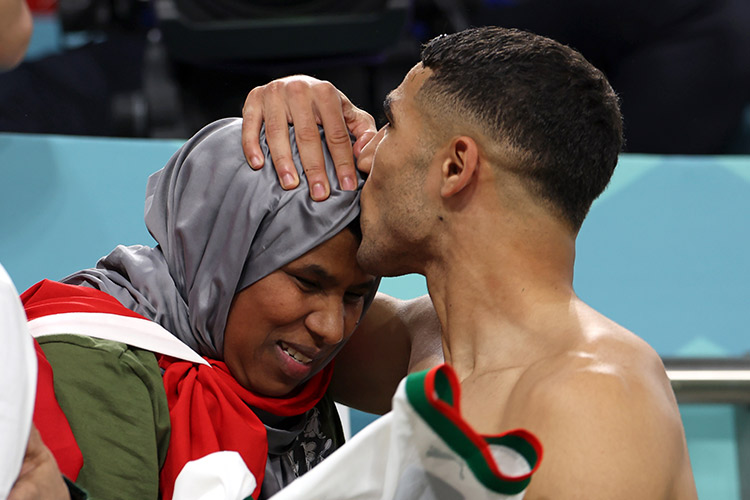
[(306, 103)]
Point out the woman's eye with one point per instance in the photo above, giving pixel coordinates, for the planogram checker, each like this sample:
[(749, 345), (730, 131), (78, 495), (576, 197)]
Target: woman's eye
[(352, 297), (306, 284)]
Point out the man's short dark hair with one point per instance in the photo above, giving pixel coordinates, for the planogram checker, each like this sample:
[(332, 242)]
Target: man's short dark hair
[(539, 97)]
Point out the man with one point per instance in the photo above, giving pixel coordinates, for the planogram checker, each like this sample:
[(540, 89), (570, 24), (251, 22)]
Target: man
[(497, 143)]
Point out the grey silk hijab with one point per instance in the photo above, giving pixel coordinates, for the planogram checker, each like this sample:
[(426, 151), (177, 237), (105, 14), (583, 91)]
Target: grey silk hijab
[(220, 226)]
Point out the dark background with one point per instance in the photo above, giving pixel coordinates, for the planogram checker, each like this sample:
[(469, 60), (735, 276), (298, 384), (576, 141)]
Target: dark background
[(164, 68)]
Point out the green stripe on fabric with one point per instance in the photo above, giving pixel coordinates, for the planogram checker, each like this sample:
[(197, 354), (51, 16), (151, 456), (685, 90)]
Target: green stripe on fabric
[(454, 437), (443, 387), (517, 444)]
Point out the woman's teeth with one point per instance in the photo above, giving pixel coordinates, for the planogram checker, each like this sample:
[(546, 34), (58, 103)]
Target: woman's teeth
[(298, 356)]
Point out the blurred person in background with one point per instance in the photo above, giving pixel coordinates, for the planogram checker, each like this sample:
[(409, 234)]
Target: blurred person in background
[(680, 67), (15, 32)]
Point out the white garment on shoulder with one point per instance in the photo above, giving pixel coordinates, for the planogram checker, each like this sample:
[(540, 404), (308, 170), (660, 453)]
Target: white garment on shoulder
[(18, 374), (423, 450)]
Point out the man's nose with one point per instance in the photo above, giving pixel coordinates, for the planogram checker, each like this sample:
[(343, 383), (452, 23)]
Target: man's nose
[(364, 162), (326, 322)]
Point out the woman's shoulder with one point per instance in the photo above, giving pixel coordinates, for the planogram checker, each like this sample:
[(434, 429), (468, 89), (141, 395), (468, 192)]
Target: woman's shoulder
[(113, 347), (98, 321), (68, 351), (113, 398)]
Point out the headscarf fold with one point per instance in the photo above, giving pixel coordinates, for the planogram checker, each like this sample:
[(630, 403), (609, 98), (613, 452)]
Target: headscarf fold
[(220, 226)]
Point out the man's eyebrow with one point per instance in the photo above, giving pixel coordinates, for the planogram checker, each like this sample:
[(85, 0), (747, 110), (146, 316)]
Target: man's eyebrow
[(387, 109)]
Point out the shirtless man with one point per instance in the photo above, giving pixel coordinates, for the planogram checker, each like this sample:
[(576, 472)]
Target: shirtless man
[(496, 145)]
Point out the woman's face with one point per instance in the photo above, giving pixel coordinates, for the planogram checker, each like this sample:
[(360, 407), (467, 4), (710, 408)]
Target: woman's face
[(286, 326)]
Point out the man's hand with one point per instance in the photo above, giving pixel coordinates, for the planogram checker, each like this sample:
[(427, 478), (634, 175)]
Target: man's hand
[(39, 477), (306, 103)]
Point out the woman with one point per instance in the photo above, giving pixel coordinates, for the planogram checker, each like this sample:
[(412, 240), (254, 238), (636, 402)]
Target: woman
[(260, 282)]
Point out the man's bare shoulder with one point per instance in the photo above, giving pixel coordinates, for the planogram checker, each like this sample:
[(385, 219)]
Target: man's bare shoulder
[(608, 420), (603, 358)]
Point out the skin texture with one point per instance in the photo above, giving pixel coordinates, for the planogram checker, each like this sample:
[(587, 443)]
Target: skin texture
[(39, 476), (15, 32), (393, 212), (311, 305), (394, 338), (528, 352)]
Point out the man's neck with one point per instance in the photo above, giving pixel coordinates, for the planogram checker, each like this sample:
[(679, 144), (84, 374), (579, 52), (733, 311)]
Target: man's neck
[(500, 296)]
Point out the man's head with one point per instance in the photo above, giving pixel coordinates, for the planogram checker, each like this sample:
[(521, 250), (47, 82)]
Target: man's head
[(547, 108), (546, 121)]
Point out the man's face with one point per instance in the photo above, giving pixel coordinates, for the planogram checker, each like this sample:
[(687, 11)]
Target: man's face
[(394, 216)]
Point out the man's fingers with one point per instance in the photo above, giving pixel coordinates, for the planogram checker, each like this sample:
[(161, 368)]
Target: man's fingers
[(362, 141), (300, 99), (252, 121), (361, 123), (367, 153), (329, 108), (358, 121), (277, 120), (306, 103)]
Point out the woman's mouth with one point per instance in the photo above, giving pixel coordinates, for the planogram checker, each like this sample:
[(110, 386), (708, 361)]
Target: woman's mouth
[(295, 354)]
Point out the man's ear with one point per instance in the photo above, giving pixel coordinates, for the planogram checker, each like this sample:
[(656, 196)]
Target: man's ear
[(459, 165)]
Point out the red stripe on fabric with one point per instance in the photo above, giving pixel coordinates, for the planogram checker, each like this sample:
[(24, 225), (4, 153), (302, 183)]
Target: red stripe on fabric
[(50, 297), (453, 414), (52, 423), (529, 438)]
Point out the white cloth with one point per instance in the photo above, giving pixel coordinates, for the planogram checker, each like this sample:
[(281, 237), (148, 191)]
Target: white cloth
[(137, 332), (220, 475), (423, 450), (18, 374)]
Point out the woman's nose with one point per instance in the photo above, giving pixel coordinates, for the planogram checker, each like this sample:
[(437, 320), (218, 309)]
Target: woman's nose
[(327, 321)]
